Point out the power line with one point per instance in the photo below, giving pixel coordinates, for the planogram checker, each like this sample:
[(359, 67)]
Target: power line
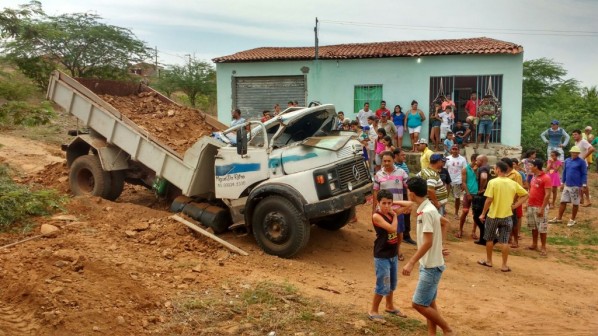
[(572, 33)]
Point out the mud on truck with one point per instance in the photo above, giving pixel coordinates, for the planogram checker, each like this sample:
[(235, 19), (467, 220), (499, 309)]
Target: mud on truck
[(275, 178)]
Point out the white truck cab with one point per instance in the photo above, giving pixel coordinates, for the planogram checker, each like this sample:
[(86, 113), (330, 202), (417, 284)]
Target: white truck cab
[(288, 172)]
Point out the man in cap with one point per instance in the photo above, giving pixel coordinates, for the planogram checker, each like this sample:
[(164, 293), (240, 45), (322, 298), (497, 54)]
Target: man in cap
[(587, 134), (422, 146), (556, 138), (574, 178), (437, 192), (389, 126), (382, 109)]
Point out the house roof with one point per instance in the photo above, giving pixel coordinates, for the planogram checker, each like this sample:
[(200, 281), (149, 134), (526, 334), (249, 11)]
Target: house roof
[(478, 45)]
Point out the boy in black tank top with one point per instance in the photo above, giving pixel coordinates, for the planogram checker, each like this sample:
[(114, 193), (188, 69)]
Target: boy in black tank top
[(385, 222)]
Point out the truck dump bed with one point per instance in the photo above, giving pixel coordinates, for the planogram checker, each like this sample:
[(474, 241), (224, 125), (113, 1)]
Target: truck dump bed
[(191, 172)]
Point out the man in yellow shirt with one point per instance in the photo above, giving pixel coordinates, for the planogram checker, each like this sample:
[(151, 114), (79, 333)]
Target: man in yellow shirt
[(424, 160), (499, 207)]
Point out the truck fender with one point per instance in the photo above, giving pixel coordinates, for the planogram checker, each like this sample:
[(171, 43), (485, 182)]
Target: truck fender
[(270, 189), (111, 157)]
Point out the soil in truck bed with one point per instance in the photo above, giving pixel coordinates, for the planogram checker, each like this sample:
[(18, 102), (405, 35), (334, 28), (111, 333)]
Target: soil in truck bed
[(176, 126)]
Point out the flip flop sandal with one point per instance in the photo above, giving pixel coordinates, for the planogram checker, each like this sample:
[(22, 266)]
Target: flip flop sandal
[(377, 318), (506, 270), (395, 312), (484, 263)]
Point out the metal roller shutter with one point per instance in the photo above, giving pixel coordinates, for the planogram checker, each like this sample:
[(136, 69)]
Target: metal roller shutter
[(253, 95)]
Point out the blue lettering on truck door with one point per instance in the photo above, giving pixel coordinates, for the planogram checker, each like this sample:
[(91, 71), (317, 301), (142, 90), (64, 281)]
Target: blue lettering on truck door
[(237, 168)]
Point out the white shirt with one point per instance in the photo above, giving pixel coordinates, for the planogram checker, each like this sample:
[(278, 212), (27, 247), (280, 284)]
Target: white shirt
[(428, 220), (445, 119), (584, 146), (236, 122), (373, 135), (455, 165), (362, 116)]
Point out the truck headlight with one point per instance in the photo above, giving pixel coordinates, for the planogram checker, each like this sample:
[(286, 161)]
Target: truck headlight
[(333, 186)]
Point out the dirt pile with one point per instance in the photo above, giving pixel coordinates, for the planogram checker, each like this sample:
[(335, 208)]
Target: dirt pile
[(176, 126), (52, 176)]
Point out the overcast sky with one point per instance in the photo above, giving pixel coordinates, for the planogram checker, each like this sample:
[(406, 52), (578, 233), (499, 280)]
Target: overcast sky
[(208, 29)]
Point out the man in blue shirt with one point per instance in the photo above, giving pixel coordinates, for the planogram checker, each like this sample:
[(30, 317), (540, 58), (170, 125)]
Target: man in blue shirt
[(575, 178), (555, 140)]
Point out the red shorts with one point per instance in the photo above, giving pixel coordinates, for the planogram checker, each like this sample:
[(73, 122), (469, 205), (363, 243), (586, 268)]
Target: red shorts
[(519, 211)]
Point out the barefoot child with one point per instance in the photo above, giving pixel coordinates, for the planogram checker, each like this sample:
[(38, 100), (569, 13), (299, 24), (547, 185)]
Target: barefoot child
[(429, 256), (386, 224)]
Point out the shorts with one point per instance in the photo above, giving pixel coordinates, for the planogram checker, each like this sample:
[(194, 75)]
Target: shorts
[(442, 209), (386, 275), (400, 131), (427, 285), (485, 127), (377, 160), (498, 229), (365, 154), (474, 119), (417, 129), (456, 190), (537, 223), (458, 140), (519, 212), (435, 123), (558, 149), (570, 195), (444, 130)]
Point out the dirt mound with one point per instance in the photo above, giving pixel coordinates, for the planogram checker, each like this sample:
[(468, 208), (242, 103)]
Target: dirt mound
[(177, 126), (52, 176)]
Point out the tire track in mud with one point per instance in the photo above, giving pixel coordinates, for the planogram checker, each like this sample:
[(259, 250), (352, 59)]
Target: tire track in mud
[(15, 322)]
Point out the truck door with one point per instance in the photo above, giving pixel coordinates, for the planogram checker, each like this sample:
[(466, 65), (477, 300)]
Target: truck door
[(234, 173)]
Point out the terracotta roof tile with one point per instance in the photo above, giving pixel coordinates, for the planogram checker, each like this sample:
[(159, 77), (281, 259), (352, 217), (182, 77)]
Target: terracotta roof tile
[(479, 45)]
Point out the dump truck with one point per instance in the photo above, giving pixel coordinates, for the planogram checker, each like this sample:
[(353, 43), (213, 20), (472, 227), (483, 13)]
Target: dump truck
[(275, 178)]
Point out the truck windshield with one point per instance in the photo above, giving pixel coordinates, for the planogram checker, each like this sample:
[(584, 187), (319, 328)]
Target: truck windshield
[(318, 123)]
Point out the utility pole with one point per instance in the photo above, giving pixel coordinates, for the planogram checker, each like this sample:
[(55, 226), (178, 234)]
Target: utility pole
[(156, 62), (316, 37)]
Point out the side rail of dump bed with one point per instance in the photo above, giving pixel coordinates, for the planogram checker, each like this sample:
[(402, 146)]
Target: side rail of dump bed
[(104, 119)]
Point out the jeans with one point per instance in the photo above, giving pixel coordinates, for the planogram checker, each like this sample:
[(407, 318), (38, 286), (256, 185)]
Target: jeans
[(427, 285)]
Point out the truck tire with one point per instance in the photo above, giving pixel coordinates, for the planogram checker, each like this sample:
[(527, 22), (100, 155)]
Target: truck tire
[(117, 184), (336, 221), (279, 227), (87, 177)]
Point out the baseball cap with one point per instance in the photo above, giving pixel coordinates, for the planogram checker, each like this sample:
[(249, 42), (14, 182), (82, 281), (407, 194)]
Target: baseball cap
[(384, 114), (366, 128), (422, 141), (437, 157), (554, 122), (574, 149), (588, 128)]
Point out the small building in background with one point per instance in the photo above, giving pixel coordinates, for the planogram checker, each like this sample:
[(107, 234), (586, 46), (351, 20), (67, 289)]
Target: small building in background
[(348, 75)]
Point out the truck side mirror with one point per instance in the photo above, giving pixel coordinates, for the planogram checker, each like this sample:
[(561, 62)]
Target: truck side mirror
[(242, 141)]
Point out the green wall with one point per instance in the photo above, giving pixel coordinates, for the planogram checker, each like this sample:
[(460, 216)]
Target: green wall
[(403, 79)]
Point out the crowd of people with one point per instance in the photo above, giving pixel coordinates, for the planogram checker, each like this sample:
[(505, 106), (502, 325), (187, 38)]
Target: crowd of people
[(496, 196)]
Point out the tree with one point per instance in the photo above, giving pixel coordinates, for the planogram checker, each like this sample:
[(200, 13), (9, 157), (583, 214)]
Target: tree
[(195, 79), (548, 95), (79, 43)]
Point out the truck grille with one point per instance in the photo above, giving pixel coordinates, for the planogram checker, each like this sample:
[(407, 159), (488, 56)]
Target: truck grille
[(354, 172)]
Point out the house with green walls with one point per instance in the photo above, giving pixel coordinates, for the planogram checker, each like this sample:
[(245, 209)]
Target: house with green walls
[(348, 75)]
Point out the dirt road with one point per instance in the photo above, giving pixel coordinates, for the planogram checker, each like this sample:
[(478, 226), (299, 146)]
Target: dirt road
[(118, 269)]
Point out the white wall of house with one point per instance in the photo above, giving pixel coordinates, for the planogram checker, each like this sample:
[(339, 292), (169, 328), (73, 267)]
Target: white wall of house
[(403, 79)]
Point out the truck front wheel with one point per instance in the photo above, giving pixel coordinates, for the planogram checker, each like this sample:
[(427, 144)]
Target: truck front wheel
[(336, 221), (279, 227), (87, 177)]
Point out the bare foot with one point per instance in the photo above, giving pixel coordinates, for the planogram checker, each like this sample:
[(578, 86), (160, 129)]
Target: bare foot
[(514, 245), (533, 248), (474, 236), (459, 234), (543, 252)]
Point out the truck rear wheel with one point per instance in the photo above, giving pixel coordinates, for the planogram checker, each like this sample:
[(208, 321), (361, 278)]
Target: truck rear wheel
[(87, 177), (336, 221), (117, 184), (279, 227)]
